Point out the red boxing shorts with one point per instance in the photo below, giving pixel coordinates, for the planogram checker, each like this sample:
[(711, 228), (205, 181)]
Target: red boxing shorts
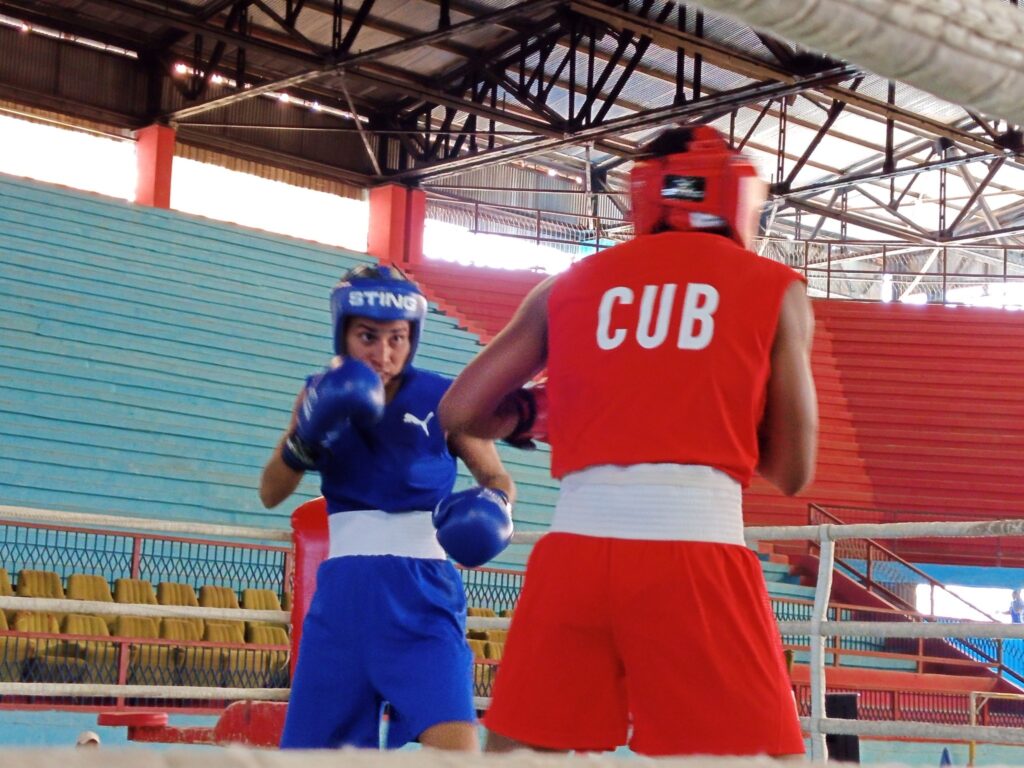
[(675, 640)]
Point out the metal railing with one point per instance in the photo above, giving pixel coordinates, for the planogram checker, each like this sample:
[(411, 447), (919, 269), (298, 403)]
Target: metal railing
[(885, 574), (891, 271), (52, 658), (920, 706), (574, 233), (153, 557)]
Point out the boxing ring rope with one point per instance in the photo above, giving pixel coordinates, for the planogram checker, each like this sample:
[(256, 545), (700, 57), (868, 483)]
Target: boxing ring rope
[(61, 605), (30, 514), (818, 628), (965, 51), (163, 692)]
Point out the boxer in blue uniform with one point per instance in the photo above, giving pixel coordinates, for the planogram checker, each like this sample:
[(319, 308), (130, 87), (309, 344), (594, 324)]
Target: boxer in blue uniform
[(388, 619)]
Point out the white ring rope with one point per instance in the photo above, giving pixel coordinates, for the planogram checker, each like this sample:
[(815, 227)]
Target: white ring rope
[(979, 529), (102, 690), (489, 622), (58, 605), (145, 610), (143, 524), (751, 533), (927, 629), (29, 514), (991, 734), (963, 51)]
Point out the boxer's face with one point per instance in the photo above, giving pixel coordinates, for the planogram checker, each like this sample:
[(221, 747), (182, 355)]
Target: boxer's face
[(384, 345)]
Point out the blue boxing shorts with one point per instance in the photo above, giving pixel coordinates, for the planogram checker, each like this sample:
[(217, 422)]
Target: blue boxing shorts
[(380, 629)]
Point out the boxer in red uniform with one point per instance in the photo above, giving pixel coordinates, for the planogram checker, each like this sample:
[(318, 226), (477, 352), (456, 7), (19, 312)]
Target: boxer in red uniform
[(678, 364)]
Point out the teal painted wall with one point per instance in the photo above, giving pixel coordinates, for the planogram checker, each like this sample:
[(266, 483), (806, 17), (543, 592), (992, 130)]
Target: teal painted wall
[(929, 754), (51, 728), (149, 359)]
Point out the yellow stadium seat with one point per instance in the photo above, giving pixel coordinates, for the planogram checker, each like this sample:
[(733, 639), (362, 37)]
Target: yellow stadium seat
[(13, 651), (478, 647), (99, 657), (217, 597), (494, 651), (179, 629), (39, 584), (31, 621), (196, 666), (482, 612), (496, 635), (242, 668), (172, 593), (277, 661), (136, 626), (137, 591), (220, 597), (483, 677), (260, 600), (6, 590), (39, 663), (224, 631), (88, 586), (147, 664)]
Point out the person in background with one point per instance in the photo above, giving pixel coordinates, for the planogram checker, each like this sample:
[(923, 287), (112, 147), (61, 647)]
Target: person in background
[(87, 739), (1016, 607), (387, 622), (678, 364)]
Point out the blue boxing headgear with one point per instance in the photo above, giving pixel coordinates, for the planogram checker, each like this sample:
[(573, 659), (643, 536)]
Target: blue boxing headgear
[(378, 292)]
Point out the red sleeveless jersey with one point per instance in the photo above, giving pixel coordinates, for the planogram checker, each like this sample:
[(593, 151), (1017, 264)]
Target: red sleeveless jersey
[(659, 352)]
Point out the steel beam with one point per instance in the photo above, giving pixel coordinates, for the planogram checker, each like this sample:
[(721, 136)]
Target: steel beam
[(350, 61), (859, 178), (630, 123), (906, 235), (669, 37), (976, 189)]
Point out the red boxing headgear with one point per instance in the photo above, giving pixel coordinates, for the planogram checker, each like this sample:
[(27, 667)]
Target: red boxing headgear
[(691, 180)]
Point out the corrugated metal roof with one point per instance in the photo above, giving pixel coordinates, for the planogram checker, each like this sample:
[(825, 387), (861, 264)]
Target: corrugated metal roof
[(856, 140)]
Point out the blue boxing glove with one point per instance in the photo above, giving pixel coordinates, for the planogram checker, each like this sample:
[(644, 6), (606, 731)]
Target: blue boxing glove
[(474, 526), (347, 392)]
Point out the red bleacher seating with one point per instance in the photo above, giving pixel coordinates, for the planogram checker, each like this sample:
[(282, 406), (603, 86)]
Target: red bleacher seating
[(480, 298), (920, 411)]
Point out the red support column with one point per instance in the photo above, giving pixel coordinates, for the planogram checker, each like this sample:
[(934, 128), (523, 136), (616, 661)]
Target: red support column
[(154, 151), (415, 220), (397, 216)]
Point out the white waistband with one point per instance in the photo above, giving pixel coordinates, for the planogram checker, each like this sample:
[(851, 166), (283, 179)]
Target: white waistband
[(672, 502), (373, 532)]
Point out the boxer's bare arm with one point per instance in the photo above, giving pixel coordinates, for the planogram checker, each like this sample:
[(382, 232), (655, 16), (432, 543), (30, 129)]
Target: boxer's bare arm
[(278, 480), (788, 433), (483, 462), (478, 402)]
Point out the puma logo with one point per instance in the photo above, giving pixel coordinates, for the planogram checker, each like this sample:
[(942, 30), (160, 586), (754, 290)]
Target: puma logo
[(422, 423)]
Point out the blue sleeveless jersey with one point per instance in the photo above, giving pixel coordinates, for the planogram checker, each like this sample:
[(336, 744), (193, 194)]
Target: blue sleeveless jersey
[(399, 464)]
